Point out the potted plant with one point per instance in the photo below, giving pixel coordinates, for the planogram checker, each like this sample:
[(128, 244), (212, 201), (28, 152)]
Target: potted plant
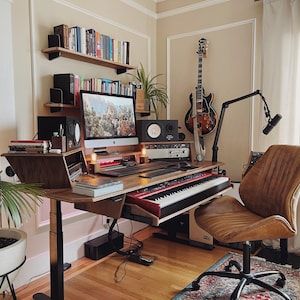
[(155, 93), (17, 202)]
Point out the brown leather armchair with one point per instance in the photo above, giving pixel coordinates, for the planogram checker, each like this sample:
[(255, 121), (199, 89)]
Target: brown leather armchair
[(270, 192)]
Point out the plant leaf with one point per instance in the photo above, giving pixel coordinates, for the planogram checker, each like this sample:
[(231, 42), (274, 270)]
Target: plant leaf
[(19, 200)]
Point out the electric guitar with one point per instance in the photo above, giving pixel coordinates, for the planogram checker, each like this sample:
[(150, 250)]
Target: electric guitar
[(207, 118), (200, 120)]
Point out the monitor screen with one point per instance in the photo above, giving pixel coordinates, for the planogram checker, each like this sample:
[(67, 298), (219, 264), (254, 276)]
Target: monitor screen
[(108, 120)]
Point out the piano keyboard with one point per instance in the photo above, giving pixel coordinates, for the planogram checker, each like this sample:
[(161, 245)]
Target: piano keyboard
[(169, 197)]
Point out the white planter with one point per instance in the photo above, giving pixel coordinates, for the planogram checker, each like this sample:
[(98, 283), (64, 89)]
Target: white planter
[(13, 255)]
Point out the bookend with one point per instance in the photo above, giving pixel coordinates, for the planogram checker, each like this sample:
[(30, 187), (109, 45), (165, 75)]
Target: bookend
[(56, 96), (54, 41)]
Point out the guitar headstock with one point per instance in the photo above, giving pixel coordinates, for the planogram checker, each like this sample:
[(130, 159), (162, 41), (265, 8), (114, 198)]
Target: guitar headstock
[(203, 46)]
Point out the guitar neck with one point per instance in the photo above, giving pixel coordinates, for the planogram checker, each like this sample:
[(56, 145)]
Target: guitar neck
[(199, 90)]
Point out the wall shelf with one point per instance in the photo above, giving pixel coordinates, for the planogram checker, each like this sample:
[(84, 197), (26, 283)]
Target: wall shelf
[(55, 52), (70, 106), (60, 105), (142, 111)]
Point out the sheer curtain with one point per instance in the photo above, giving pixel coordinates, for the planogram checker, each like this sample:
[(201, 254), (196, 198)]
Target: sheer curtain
[(281, 76), (281, 68)]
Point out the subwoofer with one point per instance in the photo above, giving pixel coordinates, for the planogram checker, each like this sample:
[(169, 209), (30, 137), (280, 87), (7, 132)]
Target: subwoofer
[(157, 130), (70, 126)]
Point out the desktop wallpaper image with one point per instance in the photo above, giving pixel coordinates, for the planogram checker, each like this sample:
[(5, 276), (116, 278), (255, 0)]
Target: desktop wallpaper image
[(108, 116)]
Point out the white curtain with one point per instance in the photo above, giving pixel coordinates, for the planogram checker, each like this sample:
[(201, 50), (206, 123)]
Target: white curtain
[(281, 76), (281, 68)]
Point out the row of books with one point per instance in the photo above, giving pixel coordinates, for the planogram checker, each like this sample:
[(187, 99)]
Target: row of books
[(91, 42), (100, 85), (29, 146), (108, 86), (95, 186)]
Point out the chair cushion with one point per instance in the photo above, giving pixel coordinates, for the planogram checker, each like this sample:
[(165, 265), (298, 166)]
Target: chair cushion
[(229, 221)]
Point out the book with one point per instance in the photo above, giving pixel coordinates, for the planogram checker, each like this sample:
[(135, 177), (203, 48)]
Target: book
[(96, 182), (32, 146), (96, 192), (29, 143), (63, 31), (95, 186)]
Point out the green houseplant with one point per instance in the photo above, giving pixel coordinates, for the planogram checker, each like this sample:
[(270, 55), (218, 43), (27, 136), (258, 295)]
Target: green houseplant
[(17, 202), (154, 92)]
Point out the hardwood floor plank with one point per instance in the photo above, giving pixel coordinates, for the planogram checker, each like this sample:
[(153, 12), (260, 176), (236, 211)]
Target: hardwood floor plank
[(175, 266)]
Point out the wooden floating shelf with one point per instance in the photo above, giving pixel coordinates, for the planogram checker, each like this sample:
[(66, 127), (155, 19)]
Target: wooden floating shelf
[(70, 106), (60, 105), (143, 111), (55, 52)]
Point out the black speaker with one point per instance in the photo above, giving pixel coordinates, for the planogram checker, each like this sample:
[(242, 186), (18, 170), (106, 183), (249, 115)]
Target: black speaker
[(157, 130), (70, 126), (65, 82)]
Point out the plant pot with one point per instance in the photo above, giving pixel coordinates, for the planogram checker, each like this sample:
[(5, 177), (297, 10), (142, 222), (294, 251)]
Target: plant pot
[(13, 255)]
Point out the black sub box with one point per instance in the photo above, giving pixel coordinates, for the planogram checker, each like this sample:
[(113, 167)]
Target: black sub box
[(157, 130), (101, 246)]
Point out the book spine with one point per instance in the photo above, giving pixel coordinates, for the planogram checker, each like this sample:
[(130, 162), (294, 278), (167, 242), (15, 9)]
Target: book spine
[(62, 31), (98, 48), (78, 41), (127, 53), (83, 40)]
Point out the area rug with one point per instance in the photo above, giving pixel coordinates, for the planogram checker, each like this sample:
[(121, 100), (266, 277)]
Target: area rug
[(212, 287)]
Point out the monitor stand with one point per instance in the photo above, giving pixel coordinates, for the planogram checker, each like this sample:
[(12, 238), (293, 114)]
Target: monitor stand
[(101, 151)]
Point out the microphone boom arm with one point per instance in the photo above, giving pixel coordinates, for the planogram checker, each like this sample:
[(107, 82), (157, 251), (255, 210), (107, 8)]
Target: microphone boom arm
[(224, 106)]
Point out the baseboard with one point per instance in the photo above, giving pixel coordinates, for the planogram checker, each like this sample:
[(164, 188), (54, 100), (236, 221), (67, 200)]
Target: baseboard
[(39, 265)]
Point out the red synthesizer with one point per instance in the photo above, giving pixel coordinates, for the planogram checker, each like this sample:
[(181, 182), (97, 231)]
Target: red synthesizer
[(171, 196)]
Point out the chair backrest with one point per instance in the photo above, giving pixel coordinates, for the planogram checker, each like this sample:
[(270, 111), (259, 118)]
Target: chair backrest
[(272, 186)]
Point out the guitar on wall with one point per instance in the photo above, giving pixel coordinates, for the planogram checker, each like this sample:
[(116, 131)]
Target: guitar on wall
[(201, 115)]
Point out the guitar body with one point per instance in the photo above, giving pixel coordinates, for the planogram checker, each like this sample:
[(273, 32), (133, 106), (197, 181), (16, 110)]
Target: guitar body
[(207, 119)]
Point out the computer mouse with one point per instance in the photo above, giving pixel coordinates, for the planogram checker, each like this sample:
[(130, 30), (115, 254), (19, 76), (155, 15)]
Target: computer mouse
[(129, 163), (184, 164)]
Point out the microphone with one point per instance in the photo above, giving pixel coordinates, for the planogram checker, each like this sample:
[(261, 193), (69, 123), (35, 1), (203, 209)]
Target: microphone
[(272, 123)]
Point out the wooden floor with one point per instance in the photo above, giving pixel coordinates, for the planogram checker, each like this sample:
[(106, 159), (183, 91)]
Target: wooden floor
[(175, 266)]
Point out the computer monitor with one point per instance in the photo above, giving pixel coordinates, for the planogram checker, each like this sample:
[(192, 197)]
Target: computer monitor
[(108, 120)]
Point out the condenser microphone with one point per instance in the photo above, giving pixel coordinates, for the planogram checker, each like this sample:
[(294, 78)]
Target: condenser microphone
[(272, 123)]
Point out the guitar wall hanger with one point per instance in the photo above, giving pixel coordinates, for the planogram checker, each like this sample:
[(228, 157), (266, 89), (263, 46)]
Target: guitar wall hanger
[(271, 122)]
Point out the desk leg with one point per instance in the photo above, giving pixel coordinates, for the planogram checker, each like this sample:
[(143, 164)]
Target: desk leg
[(56, 255)]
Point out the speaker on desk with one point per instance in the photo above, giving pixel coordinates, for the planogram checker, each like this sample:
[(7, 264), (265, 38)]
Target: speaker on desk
[(157, 130), (71, 127)]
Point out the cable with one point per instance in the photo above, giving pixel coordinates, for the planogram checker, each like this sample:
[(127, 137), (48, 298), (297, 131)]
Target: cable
[(122, 276), (122, 252)]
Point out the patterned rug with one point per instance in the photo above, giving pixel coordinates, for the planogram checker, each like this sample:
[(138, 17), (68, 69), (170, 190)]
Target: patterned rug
[(212, 287)]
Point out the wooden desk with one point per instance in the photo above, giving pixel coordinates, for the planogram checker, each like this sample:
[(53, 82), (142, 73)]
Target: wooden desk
[(110, 205)]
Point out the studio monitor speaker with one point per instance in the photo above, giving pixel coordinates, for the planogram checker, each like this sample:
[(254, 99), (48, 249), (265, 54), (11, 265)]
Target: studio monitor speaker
[(157, 130), (71, 128)]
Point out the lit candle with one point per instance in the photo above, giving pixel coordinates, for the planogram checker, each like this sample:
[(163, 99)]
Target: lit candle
[(93, 157)]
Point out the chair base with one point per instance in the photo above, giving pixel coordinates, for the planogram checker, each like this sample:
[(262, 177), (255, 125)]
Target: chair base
[(246, 279)]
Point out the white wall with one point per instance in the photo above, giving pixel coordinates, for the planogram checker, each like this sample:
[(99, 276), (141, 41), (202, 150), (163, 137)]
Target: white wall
[(7, 94), (231, 68)]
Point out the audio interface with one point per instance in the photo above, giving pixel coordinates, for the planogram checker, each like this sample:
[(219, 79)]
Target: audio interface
[(161, 151)]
